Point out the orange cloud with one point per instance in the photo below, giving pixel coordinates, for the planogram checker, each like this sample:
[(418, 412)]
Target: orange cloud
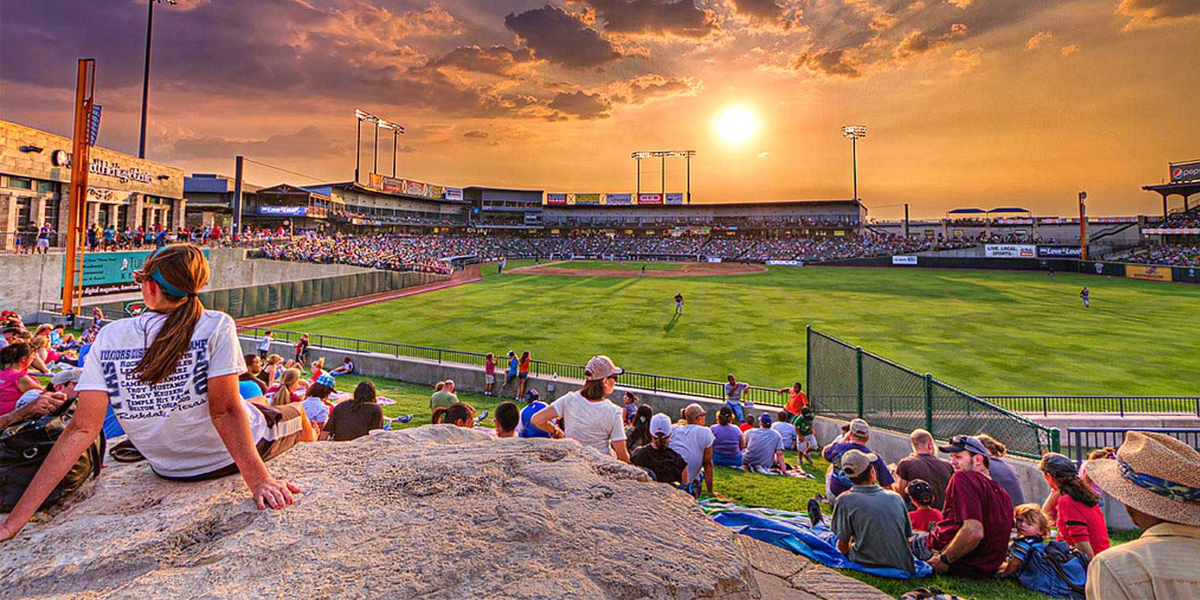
[(1038, 39), (1069, 50)]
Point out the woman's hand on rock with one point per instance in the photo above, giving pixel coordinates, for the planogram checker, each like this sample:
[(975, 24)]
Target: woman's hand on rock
[(273, 493), (8, 532)]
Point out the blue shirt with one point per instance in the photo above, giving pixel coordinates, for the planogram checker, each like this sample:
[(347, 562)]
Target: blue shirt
[(512, 366), (527, 428), (833, 453)]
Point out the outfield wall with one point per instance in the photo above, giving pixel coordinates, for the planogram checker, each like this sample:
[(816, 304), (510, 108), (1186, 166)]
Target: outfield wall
[(890, 445), (38, 277)]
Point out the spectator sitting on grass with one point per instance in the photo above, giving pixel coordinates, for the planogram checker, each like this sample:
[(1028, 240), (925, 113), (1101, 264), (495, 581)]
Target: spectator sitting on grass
[(871, 523), (590, 418), (972, 538), (285, 391), (1076, 507), (1027, 556), (629, 402), (1157, 478), (272, 369), (637, 434), (764, 447), (728, 441), (508, 416), (925, 465), (1000, 471), (920, 493), (664, 463), (14, 375), (785, 429), (857, 436), (458, 414), (254, 373), (347, 368), (745, 422), (533, 404), (316, 404), (444, 396), (694, 442), (354, 419), (804, 433)]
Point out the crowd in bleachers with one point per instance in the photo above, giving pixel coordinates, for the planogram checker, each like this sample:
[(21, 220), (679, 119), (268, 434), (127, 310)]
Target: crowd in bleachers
[(1176, 255), (1181, 220)]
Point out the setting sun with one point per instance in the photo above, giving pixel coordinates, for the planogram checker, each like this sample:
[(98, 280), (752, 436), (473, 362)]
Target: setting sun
[(736, 125)]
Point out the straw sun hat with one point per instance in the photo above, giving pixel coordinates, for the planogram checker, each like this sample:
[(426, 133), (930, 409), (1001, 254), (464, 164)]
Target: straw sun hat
[(1155, 474)]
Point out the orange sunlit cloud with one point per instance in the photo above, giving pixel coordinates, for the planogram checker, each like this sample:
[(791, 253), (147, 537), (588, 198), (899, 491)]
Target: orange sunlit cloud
[(967, 101)]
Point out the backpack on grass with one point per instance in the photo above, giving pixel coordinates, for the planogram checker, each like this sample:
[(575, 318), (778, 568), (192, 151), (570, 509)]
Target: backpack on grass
[(24, 446)]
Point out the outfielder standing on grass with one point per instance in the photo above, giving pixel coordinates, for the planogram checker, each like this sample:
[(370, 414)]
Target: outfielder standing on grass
[(679, 304), (1086, 296)]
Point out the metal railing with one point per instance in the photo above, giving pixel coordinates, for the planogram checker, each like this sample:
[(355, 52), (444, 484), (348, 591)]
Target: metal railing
[(1081, 441), (1108, 404), (847, 382), (650, 382)]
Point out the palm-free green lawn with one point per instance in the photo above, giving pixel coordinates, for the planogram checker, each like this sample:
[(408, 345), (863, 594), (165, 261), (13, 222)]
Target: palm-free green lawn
[(785, 493), (988, 332)]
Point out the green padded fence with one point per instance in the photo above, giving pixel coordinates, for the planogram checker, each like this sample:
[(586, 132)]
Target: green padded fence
[(846, 381), (276, 297)]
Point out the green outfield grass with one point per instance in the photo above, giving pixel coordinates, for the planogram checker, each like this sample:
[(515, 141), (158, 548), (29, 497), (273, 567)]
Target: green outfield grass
[(604, 265), (988, 332)]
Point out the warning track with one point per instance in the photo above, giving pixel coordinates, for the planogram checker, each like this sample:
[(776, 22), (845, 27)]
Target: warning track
[(471, 274)]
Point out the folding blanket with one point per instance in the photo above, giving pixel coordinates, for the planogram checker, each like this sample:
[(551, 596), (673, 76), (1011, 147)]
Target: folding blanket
[(795, 532)]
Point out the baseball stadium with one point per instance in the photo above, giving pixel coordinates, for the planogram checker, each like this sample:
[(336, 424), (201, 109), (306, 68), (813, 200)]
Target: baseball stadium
[(509, 371)]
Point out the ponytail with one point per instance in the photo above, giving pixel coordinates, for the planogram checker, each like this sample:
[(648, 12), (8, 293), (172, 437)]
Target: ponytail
[(180, 271), (284, 394)]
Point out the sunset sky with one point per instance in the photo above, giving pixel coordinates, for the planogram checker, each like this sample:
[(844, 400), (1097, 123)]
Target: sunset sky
[(968, 102)]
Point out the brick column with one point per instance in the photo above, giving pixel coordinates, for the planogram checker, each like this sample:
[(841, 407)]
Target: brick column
[(136, 201), (8, 220), (180, 208)]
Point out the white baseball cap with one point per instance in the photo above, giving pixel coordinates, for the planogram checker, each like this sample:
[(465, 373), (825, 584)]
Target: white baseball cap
[(601, 367), (660, 425)]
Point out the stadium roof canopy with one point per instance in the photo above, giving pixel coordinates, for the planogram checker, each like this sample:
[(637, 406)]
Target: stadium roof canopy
[(967, 211)]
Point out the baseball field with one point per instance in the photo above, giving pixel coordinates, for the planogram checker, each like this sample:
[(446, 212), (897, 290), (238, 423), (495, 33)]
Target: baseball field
[(988, 332)]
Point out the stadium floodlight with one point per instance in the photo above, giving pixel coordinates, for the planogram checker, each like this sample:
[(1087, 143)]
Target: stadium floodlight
[(663, 155), (854, 133), (361, 115), (146, 73)]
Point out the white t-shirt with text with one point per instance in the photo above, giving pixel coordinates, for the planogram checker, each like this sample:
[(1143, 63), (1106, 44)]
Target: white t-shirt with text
[(169, 422), (593, 424)]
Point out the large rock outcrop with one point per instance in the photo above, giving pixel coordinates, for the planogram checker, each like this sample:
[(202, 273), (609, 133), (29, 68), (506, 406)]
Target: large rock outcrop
[(433, 512)]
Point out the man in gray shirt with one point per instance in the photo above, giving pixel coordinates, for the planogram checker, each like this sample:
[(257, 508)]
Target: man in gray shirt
[(871, 523), (764, 446)]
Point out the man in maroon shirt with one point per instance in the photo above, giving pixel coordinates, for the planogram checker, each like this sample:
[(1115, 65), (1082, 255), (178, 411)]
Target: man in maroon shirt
[(972, 538)]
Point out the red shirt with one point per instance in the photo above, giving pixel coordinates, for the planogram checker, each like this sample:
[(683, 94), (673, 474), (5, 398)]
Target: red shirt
[(796, 402), (1078, 522), (745, 427), (976, 497), (922, 518)]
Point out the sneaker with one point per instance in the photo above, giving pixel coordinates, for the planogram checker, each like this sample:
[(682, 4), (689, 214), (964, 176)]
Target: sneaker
[(403, 419), (814, 511), (479, 419)]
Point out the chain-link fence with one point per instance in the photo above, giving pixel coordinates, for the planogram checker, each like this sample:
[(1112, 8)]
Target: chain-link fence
[(846, 381)]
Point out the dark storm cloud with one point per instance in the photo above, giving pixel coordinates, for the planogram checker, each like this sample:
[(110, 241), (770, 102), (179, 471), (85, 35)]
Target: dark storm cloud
[(649, 87), (759, 10), (581, 105), (496, 60), (828, 62), (681, 18), (561, 38)]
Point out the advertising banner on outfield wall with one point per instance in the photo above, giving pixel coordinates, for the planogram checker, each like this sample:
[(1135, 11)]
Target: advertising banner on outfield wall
[(112, 272), (1149, 272), (1010, 251), (650, 199), (674, 198), (1188, 171), (556, 198), (1162, 230), (588, 199), (416, 188), (1060, 252), (453, 193), (618, 199), (904, 260)]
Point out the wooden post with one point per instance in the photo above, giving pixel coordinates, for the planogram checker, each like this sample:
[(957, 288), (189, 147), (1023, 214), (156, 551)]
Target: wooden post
[(85, 85)]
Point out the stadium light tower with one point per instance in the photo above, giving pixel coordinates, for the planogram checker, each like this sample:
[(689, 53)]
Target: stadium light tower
[(362, 115), (854, 133), (664, 155), (146, 74)]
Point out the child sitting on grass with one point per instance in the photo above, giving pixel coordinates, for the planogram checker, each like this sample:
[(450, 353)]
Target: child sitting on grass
[(925, 516), (1054, 568)]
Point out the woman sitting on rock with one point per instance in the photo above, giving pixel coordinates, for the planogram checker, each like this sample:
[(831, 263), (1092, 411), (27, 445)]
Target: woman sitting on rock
[(171, 377)]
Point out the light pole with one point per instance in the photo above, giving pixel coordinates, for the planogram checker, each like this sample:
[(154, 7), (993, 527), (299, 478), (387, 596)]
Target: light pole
[(362, 115), (854, 133), (146, 73)]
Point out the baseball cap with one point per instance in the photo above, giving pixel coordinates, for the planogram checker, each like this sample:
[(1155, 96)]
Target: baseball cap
[(601, 367), (326, 380), (1057, 465), (920, 491), (65, 377), (856, 462), (960, 443), (532, 395), (660, 425), (765, 419), (512, 352), (859, 427)]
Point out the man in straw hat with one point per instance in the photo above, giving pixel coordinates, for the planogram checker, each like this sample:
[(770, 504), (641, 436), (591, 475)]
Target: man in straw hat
[(1157, 477)]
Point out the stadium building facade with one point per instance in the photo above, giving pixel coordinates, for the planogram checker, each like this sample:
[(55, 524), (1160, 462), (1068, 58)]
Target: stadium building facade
[(124, 191)]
